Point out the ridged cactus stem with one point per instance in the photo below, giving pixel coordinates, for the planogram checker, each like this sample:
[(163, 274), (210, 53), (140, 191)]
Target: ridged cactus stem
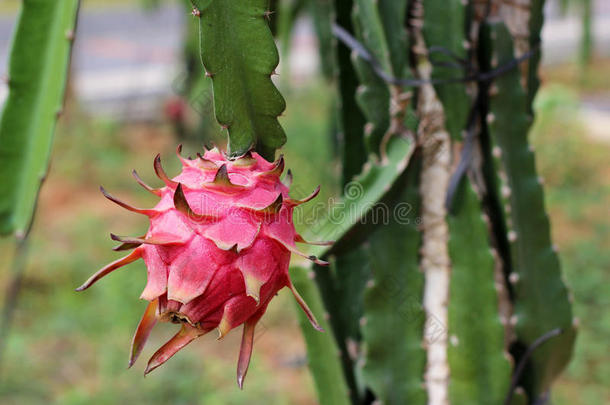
[(246, 102), (541, 300), (393, 359), (37, 77)]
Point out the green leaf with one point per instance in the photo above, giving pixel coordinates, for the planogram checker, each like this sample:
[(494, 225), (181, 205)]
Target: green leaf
[(478, 362), (322, 352), (38, 67), (238, 51)]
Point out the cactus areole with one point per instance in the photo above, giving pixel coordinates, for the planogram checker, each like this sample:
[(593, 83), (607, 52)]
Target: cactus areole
[(217, 250)]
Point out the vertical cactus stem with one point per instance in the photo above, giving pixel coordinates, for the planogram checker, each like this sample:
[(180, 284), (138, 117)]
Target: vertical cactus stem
[(393, 321), (36, 93), (480, 372), (400, 152), (537, 310), (505, 305), (445, 25)]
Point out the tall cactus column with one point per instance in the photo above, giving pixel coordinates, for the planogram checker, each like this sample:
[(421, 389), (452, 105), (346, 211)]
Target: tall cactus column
[(541, 300), (37, 76)]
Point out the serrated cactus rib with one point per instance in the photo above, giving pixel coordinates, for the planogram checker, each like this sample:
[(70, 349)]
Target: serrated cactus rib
[(540, 295), (479, 366), (239, 54), (393, 323)]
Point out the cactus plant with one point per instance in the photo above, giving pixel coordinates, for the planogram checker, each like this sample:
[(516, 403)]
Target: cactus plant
[(477, 275), (443, 285), (36, 81)]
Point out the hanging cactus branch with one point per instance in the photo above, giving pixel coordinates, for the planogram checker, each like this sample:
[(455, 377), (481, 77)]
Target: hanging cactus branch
[(240, 56)]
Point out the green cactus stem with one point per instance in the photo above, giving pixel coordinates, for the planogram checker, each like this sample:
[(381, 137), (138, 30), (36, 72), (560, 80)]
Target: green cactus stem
[(393, 360), (541, 301), (38, 69), (246, 101), (479, 364), (446, 28)]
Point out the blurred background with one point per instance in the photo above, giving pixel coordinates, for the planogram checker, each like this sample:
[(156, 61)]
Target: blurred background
[(136, 90)]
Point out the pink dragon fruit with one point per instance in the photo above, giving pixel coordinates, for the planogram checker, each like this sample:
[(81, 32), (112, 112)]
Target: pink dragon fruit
[(217, 250)]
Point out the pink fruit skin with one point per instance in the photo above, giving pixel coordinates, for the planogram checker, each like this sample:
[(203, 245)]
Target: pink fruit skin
[(217, 250)]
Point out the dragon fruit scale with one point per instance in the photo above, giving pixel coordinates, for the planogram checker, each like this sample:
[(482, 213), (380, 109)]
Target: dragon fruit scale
[(217, 250)]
